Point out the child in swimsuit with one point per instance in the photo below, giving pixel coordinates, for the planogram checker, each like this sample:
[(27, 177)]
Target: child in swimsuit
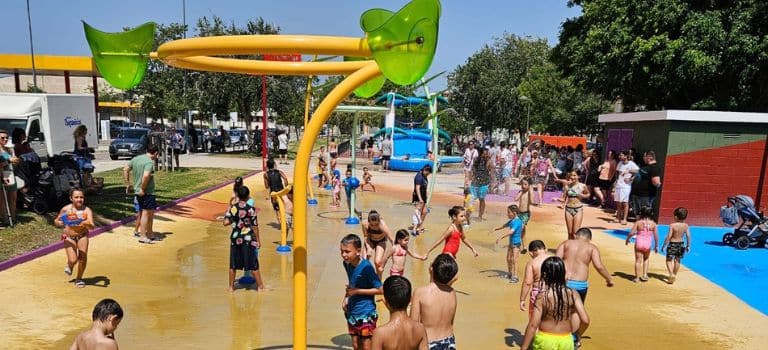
[(367, 180), (524, 202), (336, 197), (322, 177), (647, 236), (469, 205), (416, 222), (76, 219), (532, 278), (454, 235), (556, 305), (399, 253), (515, 234), (674, 244), (376, 234)]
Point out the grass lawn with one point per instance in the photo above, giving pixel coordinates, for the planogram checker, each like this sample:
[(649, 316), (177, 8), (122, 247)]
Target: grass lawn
[(34, 231)]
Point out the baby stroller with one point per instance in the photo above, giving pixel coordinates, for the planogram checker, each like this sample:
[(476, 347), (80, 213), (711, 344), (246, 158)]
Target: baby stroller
[(62, 174), (752, 230), (30, 195)]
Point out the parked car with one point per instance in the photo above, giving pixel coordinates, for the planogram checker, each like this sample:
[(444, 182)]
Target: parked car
[(130, 142), (236, 136)]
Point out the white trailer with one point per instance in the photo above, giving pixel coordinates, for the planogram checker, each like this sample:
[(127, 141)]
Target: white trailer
[(49, 119)]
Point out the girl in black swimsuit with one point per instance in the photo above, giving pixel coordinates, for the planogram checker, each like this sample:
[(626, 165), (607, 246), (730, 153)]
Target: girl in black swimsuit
[(376, 234)]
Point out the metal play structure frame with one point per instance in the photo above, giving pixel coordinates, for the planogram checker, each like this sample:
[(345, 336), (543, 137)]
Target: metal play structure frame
[(398, 45)]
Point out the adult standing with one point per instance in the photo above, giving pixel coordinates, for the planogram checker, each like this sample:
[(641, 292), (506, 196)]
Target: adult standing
[(481, 178), (605, 179), (591, 169), (626, 169), (141, 168), (192, 133), (274, 180), (333, 147), (506, 167), (470, 155), (419, 195), (386, 152), (82, 154), (176, 144), (282, 146), (646, 183), (7, 160)]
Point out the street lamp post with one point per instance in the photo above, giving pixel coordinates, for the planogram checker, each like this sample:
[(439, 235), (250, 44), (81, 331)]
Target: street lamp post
[(527, 119)]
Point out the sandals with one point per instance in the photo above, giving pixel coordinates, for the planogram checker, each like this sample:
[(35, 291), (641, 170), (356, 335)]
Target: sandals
[(79, 284), (146, 240), (68, 271)]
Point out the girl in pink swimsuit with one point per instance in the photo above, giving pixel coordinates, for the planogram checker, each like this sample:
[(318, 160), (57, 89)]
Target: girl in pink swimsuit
[(647, 236), (399, 253), (454, 235)]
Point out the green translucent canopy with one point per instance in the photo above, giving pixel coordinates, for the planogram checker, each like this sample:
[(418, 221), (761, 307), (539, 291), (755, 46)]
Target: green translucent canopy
[(121, 57), (403, 43), (370, 88)]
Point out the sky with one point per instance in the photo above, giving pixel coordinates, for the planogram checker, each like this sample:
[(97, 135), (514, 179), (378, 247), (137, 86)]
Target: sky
[(464, 26)]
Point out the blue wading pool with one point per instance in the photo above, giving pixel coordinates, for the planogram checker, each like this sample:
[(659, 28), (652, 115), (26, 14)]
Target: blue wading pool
[(743, 273)]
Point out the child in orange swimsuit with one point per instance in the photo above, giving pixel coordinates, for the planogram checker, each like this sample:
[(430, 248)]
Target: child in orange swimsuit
[(399, 253), (454, 234), (76, 219), (647, 236)]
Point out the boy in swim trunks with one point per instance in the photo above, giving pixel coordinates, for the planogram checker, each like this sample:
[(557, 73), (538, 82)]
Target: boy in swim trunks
[(400, 332), (578, 254), (674, 244), (358, 303), (532, 277), (434, 305), (106, 316), (515, 235)]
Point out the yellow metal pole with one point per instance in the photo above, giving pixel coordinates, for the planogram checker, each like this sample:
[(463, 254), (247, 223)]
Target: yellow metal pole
[(278, 197), (301, 176), (311, 199)]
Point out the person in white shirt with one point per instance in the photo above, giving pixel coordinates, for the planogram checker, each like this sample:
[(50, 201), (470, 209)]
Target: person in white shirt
[(470, 154), (625, 171), (505, 162), (282, 146)]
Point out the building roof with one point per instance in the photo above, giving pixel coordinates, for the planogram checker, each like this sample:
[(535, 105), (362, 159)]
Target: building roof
[(48, 65), (685, 115)]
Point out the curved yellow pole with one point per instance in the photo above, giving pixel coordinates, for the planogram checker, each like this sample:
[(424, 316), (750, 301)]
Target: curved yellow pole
[(278, 197), (300, 178)]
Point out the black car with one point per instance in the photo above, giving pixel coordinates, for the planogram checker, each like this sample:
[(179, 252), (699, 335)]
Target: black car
[(130, 142)]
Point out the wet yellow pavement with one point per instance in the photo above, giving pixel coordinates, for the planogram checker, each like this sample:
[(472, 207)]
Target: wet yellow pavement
[(175, 293)]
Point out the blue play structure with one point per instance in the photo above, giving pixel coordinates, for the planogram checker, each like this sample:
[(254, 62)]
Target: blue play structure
[(744, 273), (413, 144)]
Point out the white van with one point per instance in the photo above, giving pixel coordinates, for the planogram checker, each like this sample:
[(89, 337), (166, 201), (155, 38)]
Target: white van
[(49, 119)]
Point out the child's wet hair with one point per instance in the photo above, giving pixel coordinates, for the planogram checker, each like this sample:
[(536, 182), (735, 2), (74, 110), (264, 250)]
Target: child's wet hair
[(646, 213), (681, 213), (76, 189), (243, 193), (400, 234), (584, 232), (106, 308), (397, 292), (352, 239), (525, 179), (455, 211), (373, 215), (535, 245), (513, 208), (444, 268)]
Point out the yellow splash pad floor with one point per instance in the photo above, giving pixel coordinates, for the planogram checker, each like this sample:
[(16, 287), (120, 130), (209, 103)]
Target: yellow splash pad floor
[(175, 293)]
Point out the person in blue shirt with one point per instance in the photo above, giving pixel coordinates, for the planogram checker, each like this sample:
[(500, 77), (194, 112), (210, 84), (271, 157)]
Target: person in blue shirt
[(358, 303), (515, 234)]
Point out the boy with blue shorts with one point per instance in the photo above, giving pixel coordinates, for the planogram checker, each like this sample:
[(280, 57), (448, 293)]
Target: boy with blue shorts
[(515, 235), (358, 303)]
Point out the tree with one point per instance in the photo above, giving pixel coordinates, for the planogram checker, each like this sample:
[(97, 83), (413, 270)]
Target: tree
[(162, 87), (484, 89), (669, 53)]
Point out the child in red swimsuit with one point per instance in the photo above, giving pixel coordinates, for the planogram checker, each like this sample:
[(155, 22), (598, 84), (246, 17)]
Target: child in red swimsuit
[(454, 235)]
